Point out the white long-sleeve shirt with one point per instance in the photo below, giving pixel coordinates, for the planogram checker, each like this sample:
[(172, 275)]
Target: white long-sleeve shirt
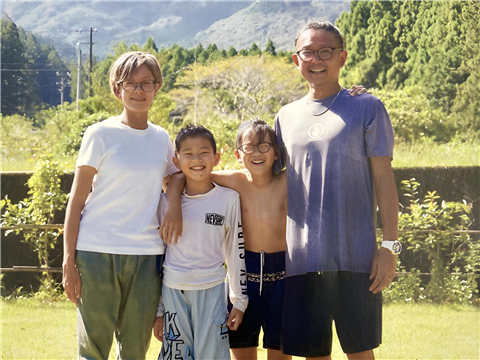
[(212, 234)]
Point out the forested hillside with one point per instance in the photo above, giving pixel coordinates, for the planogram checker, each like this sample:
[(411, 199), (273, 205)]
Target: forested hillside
[(424, 50), (30, 72)]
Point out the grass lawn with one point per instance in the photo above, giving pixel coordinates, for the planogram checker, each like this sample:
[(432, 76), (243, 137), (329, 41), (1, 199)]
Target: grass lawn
[(435, 154), (404, 155), (31, 330)]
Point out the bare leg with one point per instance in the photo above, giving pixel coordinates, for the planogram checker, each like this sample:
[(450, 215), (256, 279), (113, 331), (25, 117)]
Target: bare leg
[(364, 355), (244, 353), (277, 355)]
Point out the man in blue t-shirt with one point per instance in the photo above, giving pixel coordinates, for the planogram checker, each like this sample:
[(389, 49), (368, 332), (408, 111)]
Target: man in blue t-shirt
[(338, 158)]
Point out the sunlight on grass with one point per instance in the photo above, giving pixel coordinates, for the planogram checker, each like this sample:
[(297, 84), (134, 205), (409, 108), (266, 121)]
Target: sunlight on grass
[(450, 154), (455, 153), (67, 164), (32, 330)]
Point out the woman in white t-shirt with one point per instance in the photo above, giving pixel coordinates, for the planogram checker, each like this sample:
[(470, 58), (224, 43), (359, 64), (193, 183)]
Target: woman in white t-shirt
[(112, 251)]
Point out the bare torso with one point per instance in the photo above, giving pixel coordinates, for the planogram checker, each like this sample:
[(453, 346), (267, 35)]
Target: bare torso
[(264, 211)]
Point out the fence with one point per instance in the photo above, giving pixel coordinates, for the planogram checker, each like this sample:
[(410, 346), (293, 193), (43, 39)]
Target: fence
[(19, 261)]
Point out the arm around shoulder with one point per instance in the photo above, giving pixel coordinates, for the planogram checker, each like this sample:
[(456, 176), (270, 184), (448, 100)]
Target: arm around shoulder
[(228, 178), (172, 224)]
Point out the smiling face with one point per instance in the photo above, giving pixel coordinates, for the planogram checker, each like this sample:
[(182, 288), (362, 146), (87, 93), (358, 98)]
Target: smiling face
[(137, 101), (320, 73), (196, 158), (257, 163)]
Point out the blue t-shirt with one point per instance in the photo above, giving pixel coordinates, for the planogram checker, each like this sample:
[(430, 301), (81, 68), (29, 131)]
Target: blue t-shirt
[(331, 211)]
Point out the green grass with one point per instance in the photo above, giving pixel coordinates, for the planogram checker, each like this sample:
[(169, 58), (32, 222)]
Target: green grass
[(455, 153), (22, 164), (433, 154), (32, 330)]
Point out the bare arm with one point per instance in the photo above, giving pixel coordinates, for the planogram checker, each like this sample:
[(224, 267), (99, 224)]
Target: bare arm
[(384, 262), (228, 178), (172, 224), (82, 184)]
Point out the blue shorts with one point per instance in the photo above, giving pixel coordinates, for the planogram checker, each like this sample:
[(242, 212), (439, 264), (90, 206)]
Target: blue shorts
[(313, 300), (265, 301)]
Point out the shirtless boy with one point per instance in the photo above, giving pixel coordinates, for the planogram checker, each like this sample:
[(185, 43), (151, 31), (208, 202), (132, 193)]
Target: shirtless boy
[(263, 196)]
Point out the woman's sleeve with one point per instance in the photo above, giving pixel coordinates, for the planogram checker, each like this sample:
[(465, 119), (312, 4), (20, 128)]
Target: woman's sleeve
[(92, 149)]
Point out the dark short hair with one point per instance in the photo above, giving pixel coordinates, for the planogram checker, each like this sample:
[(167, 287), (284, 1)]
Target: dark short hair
[(191, 131), (259, 128), (322, 25)]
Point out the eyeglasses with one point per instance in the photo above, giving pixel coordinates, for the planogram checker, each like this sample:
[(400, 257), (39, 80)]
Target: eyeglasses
[(263, 147), (324, 53), (131, 86)]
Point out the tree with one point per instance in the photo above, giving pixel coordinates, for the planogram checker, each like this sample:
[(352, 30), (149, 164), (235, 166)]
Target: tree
[(269, 48), (254, 50), (17, 83), (244, 87), (150, 46), (212, 48), (120, 48), (433, 46), (231, 52)]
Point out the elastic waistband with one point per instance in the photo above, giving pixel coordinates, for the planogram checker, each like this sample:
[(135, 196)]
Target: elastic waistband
[(278, 256), (266, 277)]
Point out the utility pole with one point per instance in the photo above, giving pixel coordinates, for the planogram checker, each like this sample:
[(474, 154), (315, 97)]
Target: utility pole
[(91, 58), (196, 92), (79, 74), (92, 30), (62, 83)]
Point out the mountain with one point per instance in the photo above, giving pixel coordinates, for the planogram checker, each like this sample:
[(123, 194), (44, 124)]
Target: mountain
[(260, 21), (237, 23)]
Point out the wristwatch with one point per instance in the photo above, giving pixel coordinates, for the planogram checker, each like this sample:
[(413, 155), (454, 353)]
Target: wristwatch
[(394, 246)]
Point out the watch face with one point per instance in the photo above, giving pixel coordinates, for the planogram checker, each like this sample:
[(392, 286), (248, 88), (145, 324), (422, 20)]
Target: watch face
[(397, 247)]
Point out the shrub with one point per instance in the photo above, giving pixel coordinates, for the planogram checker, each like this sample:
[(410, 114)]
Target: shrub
[(44, 200), (453, 258)]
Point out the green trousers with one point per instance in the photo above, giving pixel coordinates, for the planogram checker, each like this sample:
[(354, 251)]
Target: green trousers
[(119, 295)]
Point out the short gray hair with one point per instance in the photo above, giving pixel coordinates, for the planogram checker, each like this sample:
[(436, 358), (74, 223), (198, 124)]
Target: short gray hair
[(322, 25)]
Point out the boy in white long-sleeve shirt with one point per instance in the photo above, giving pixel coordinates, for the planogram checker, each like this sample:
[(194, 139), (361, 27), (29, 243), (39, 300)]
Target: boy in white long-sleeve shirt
[(193, 319)]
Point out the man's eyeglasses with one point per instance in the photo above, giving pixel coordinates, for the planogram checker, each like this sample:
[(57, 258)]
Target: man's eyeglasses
[(263, 147), (324, 53), (131, 86)]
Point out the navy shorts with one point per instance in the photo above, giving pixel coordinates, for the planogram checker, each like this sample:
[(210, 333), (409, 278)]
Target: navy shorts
[(313, 300), (265, 301)]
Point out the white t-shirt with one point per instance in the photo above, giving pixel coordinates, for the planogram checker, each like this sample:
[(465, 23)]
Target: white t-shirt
[(120, 214), (212, 234)]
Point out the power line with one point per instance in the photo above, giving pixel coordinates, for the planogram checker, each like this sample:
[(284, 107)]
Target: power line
[(29, 91)]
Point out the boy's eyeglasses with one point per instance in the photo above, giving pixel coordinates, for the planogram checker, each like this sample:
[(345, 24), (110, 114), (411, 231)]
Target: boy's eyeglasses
[(131, 86), (324, 53), (263, 147)]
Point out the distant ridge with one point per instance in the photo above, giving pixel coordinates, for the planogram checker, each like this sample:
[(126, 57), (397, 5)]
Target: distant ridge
[(226, 23), (278, 21)]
